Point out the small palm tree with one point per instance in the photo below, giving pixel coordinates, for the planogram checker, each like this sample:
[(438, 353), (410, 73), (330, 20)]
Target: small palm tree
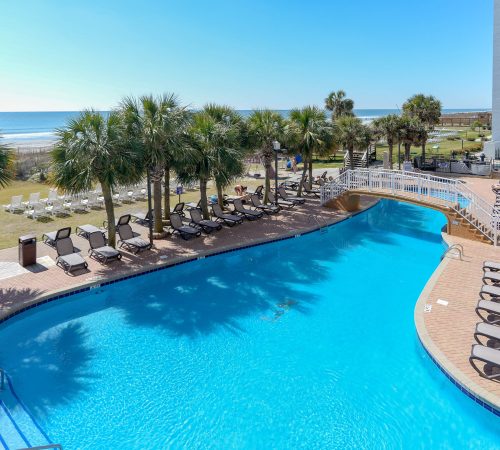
[(214, 155), (388, 127), (425, 108), (412, 132), (6, 160), (339, 105), (265, 127), (310, 133), (92, 149), (351, 133)]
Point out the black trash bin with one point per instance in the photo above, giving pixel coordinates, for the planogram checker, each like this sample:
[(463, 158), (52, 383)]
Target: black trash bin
[(27, 250)]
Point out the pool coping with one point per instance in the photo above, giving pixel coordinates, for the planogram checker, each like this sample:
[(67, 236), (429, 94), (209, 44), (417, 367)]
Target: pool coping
[(101, 281), (477, 393)]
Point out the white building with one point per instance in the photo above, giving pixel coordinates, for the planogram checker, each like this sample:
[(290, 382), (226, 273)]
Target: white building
[(492, 149)]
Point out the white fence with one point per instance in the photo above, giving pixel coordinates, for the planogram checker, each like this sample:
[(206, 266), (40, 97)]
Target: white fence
[(429, 188)]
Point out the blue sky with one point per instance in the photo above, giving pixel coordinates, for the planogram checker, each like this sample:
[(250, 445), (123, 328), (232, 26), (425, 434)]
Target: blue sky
[(67, 55)]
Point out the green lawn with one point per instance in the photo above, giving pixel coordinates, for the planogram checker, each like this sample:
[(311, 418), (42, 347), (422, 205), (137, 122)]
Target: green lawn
[(14, 225)]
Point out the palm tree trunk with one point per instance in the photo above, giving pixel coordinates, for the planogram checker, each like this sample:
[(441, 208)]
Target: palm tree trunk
[(407, 151), (304, 171), (166, 199), (391, 146), (351, 157), (310, 167), (220, 195), (110, 213), (423, 152), (203, 197)]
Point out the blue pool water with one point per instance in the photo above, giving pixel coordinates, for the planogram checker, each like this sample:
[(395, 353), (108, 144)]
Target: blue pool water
[(304, 343)]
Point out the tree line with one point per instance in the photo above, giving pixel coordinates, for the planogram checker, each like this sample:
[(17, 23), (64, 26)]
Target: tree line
[(159, 136)]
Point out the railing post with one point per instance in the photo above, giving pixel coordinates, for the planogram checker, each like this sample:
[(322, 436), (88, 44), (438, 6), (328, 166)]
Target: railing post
[(393, 174), (369, 181), (419, 188)]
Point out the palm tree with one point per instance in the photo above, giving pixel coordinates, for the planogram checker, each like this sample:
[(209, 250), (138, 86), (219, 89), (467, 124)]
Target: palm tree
[(160, 125), (214, 155), (339, 105), (6, 160), (93, 149), (265, 127), (425, 108), (389, 127), (412, 132), (351, 133), (310, 133)]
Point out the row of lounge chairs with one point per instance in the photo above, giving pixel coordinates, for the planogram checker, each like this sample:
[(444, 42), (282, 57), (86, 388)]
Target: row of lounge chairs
[(488, 309)]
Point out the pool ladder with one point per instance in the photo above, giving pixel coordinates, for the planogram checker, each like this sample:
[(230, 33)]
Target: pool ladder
[(320, 221), (459, 248)]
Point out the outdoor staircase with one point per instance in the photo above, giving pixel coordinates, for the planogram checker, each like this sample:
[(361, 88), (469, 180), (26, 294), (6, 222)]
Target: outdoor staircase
[(479, 230), (18, 428), (359, 159)]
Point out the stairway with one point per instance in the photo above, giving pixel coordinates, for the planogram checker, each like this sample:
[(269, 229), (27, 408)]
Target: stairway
[(479, 230), (359, 159)]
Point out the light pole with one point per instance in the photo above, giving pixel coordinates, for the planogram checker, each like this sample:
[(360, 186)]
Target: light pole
[(276, 148)]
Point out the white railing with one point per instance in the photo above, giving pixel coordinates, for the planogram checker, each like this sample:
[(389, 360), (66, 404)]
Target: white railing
[(429, 188)]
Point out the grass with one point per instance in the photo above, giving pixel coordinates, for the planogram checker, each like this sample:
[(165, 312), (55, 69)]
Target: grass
[(14, 225)]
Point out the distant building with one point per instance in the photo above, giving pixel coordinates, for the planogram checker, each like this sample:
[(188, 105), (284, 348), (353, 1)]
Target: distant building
[(465, 119), (492, 148)]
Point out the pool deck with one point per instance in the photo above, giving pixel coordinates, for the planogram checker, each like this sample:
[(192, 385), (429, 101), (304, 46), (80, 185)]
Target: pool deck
[(446, 332)]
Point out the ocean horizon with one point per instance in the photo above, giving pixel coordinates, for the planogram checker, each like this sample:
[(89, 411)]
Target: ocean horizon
[(38, 127)]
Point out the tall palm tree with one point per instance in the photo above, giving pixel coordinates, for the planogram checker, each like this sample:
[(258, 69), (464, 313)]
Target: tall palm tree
[(310, 133), (339, 105), (265, 127), (389, 127), (412, 132), (93, 149), (160, 125), (351, 133), (214, 154), (427, 109), (6, 160)]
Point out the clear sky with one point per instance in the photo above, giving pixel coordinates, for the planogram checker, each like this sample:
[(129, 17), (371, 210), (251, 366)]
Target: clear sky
[(67, 55)]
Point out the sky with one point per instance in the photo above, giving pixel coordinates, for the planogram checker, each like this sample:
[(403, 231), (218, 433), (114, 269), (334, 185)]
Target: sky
[(60, 55)]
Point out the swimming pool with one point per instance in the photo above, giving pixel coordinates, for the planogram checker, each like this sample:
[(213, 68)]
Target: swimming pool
[(307, 342)]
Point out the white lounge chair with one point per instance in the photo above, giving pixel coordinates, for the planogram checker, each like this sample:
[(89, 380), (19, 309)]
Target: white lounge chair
[(15, 205), (38, 210), (33, 200)]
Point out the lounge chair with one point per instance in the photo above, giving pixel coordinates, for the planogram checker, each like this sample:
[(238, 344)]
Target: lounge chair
[(68, 257), (488, 355), (51, 237), (179, 209), (313, 192), (15, 205), (493, 277), (268, 209), (492, 291), (295, 200), (491, 308), (491, 266), (38, 210), (185, 231), (128, 239), (206, 225), (258, 191), (86, 230), (272, 199), (228, 219), (142, 218), (33, 200), (100, 250), (488, 331), (249, 214)]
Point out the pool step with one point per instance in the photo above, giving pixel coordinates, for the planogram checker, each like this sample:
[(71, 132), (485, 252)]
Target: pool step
[(11, 436)]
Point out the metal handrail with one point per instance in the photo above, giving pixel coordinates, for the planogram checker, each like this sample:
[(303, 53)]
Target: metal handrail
[(2, 379), (316, 219), (457, 247), (41, 447), (457, 196)]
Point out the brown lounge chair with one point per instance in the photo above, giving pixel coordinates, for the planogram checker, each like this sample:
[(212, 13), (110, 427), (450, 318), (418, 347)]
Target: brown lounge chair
[(272, 199), (51, 237), (206, 225), (68, 257), (295, 200), (268, 209), (100, 250), (185, 231), (491, 358), (228, 219), (128, 239), (249, 214)]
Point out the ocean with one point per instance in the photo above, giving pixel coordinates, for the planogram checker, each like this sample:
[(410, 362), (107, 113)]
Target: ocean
[(36, 129)]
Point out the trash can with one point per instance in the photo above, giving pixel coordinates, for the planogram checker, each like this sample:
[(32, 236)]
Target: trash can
[(27, 250)]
